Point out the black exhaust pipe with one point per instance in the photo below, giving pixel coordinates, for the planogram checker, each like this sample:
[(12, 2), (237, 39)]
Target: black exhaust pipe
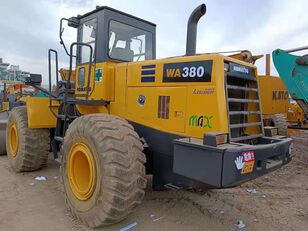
[(192, 29)]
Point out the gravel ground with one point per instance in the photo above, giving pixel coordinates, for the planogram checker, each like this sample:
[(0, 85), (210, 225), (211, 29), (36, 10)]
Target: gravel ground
[(279, 202)]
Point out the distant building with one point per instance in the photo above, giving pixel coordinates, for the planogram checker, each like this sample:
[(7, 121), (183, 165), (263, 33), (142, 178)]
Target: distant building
[(12, 72), (4, 73)]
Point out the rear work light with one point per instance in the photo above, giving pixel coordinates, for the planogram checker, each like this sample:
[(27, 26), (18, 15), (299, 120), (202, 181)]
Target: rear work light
[(214, 139)]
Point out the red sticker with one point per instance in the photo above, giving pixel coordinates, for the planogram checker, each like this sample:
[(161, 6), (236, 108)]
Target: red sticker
[(248, 156)]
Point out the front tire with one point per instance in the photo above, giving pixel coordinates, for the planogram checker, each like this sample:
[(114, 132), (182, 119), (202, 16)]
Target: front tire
[(3, 137), (102, 169), (27, 148)]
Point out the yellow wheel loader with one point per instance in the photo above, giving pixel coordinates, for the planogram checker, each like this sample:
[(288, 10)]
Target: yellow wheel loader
[(193, 120), (277, 106), (274, 100), (296, 116)]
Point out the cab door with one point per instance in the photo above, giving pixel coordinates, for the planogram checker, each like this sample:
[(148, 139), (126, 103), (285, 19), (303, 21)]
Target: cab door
[(87, 33)]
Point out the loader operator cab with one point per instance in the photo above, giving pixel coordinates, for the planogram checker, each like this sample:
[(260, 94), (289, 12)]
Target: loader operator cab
[(113, 36)]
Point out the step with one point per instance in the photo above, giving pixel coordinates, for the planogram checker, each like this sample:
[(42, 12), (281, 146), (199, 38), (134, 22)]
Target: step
[(243, 112), (62, 117), (60, 139), (90, 102), (243, 125)]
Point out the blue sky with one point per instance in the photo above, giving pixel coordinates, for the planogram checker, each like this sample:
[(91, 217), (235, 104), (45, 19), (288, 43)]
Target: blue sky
[(30, 28)]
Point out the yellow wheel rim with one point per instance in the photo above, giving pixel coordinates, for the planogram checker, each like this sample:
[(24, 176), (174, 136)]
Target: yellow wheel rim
[(81, 171), (13, 139)]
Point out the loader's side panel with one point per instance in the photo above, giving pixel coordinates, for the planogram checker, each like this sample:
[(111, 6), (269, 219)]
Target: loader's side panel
[(118, 106), (101, 83), (274, 95), (182, 96), (39, 114), (206, 109), (158, 107)]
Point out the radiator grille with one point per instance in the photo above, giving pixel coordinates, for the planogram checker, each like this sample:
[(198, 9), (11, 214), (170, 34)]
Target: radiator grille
[(245, 118)]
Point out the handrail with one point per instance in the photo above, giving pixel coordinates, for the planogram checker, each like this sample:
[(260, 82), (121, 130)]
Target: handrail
[(51, 95), (50, 51), (61, 30), (71, 63)]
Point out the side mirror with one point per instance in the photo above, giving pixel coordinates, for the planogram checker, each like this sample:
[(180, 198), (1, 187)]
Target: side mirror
[(73, 22)]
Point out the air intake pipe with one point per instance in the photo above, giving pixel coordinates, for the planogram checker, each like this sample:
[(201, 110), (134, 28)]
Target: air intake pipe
[(192, 29)]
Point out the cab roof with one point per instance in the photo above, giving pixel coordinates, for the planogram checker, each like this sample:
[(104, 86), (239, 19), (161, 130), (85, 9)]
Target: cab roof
[(99, 8)]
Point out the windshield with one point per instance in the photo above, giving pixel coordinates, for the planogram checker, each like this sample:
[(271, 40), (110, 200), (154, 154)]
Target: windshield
[(129, 43), (88, 37)]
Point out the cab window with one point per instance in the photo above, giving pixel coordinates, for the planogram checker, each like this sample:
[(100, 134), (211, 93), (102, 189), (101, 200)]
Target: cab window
[(129, 43), (81, 76), (88, 36)]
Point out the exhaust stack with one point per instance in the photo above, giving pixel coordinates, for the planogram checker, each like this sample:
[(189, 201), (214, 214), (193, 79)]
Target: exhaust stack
[(268, 65), (192, 29)]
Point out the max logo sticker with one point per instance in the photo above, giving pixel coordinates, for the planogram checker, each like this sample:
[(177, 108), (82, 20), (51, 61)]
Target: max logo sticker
[(245, 162), (201, 121)]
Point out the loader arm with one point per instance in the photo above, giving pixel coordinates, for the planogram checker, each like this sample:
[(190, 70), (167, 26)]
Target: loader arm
[(294, 73)]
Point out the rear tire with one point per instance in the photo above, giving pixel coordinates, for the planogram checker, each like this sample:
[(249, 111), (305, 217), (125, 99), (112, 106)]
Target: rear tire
[(3, 123), (2, 141), (27, 148), (280, 122), (111, 183)]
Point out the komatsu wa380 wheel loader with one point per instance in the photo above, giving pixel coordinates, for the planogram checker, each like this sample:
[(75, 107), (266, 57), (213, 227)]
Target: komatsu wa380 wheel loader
[(192, 120)]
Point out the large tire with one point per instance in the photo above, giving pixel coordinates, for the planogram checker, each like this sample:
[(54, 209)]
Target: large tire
[(102, 169), (280, 122), (3, 123), (3, 138), (27, 148)]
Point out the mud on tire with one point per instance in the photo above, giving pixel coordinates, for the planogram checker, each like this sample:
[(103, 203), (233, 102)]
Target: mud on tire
[(32, 146), (118, 165)]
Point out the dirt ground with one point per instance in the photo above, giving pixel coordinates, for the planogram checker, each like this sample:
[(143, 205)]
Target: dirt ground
[(280, 202)]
